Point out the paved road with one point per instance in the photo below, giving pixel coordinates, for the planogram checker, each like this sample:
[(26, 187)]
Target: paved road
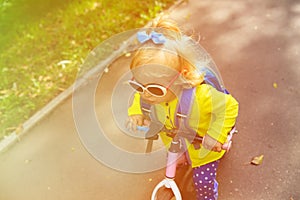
[(256, 45)]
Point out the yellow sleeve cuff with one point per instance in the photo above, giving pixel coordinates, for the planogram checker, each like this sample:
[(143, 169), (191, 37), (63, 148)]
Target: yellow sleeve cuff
[(135, 108)]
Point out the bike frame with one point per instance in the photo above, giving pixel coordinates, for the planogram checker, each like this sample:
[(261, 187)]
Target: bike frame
[(170, 173), (173, 156)]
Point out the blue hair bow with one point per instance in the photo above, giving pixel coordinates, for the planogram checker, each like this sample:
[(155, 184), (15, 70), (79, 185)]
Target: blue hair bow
[(157, 38)]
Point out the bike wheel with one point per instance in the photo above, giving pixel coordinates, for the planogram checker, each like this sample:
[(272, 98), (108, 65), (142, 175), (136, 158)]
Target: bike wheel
[(165, 194)]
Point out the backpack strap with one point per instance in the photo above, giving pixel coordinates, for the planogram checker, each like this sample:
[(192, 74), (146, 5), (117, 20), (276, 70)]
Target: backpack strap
[(182, 116), (184, 105), (146, 108)]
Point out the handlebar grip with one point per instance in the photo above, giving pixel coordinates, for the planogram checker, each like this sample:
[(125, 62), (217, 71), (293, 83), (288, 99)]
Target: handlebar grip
[(226, 146)]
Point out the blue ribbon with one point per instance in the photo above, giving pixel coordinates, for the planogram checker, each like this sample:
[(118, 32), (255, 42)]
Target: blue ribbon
[(157, 38)]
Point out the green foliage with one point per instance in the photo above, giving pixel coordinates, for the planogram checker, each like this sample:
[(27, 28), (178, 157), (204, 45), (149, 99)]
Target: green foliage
[(37, 35), (152, 12)]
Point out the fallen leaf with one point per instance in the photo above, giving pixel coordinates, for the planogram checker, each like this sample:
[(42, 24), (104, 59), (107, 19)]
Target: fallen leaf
[(127, 54), (257, 160), (19, 129), (27, 161), (106, 70), (63, 63), (4, 91)]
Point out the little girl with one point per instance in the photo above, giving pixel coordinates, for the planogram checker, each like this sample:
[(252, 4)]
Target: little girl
[(164, 65)]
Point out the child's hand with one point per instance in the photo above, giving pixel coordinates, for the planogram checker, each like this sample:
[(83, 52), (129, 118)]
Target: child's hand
[(136, 120), (211, 144)]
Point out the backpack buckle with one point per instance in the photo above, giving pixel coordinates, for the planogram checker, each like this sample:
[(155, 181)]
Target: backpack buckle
[(146, 110), (180, 115)]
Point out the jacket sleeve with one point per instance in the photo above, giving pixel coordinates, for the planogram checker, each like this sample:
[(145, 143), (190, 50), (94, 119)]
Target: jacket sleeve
[(135, 108), (221, 110)]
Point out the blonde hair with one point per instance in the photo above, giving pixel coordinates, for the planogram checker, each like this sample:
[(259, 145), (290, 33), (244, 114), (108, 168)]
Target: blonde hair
[(177, 52)]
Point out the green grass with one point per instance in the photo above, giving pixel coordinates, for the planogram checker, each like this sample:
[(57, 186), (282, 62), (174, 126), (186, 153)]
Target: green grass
[(36, 35)]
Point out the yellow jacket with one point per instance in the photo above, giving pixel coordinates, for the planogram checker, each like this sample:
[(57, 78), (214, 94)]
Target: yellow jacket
[(213, 113)]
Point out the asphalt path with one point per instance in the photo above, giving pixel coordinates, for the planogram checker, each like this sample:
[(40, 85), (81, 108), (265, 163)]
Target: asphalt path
[(256, 46)]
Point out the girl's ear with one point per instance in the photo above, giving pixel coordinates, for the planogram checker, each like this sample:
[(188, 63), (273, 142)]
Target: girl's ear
[(183, 71), (184, 80), (186, 73), (192, 78)]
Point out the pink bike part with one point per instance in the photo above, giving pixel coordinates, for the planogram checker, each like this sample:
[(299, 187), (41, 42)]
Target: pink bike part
[(171, 164)]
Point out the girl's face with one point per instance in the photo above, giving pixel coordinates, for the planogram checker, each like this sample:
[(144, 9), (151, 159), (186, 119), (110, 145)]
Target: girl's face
[(150, 76)]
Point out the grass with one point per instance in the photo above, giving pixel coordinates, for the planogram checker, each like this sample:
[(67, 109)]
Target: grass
[(37, 35)]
